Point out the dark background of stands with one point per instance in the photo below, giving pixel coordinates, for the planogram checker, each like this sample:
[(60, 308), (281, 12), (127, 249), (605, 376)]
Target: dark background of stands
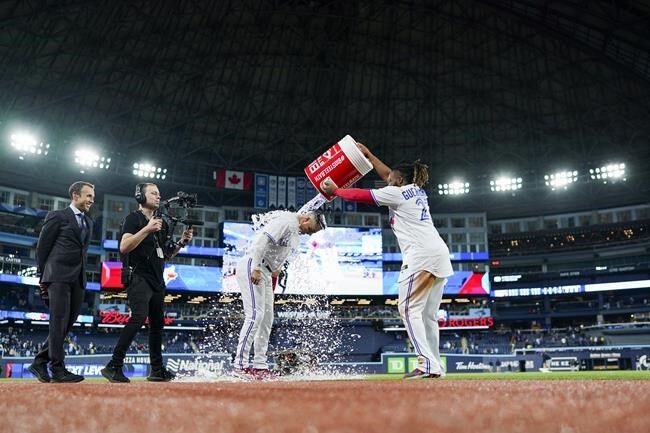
[(568, 88), (475, 89)]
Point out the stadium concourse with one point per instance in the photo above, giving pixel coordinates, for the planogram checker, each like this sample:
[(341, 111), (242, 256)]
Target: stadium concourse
[(517, 129)]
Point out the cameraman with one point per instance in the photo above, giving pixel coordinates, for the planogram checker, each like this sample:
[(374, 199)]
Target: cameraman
[(142, 248)]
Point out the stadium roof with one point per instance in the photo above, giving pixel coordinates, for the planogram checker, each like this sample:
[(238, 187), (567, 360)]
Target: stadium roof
[(474, 88)]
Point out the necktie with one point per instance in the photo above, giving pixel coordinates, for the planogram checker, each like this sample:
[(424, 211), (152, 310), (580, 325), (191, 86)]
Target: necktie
[(83, 226)]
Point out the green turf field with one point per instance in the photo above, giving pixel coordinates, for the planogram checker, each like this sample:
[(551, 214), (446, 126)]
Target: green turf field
[(578, 375), (563, 375)]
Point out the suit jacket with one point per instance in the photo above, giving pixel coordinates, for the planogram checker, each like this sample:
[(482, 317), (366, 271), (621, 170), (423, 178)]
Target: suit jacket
[(61, 253)]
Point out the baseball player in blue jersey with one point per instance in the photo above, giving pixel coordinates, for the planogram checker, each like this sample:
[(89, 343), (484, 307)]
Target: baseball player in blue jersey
[(425, 257)]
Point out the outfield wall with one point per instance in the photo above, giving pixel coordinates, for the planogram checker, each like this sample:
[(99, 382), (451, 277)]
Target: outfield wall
[(217, 364)]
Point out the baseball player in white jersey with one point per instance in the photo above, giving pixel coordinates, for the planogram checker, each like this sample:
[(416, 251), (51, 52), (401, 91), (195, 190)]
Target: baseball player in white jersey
[(425, 256), (270, 248)]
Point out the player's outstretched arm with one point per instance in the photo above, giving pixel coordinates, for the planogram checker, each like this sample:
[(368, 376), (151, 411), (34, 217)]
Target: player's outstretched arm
[(382, 169), (350, 194)]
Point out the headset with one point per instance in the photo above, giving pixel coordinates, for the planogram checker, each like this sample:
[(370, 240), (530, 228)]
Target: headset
[(139, 193)]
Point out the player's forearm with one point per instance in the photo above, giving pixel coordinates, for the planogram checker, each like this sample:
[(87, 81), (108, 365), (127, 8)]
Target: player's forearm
[(382, 169), (355, 194), (257, 250), (256, 264)]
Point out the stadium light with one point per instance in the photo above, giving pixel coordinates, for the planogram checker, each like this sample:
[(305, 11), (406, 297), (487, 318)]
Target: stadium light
[(88, 158), (609, 173), (506, 184), (26, 144), (561, 179), (455, 187), (144, 169)]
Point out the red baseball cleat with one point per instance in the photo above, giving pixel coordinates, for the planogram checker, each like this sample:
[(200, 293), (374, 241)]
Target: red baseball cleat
[(263, 374), (419, 374), (243, 373)]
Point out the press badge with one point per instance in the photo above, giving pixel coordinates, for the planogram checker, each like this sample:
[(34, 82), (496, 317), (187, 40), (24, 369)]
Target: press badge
[(160, 253)]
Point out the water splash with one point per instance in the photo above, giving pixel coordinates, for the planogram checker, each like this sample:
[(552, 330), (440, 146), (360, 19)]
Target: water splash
[(221, 328), (314, 204), (262, 219), (306, 324), (302, 323)]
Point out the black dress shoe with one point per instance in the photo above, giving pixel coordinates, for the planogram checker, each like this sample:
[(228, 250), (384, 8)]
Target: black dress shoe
[(39, 370), (160, 375), (114, 374), (65, 376)]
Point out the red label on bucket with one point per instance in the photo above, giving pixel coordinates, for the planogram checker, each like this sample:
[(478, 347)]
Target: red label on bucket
[(333, 164)]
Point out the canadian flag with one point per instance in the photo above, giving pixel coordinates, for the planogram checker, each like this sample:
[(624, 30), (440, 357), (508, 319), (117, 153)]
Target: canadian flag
[(232, 179)]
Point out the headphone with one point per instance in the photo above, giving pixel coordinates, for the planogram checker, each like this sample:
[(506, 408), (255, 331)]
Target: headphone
[(139, 193)]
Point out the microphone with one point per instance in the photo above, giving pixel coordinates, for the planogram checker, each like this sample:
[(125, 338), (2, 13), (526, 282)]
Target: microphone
[(193, 222)]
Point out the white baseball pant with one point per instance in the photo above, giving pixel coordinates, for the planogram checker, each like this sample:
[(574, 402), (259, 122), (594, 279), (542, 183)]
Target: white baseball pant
[(258, 316), (419, 301)]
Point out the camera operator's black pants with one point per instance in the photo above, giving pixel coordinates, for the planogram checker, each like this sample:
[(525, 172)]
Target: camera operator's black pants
[(144, 301)]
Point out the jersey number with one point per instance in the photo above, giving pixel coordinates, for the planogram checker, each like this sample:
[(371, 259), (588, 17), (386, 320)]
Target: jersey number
[(425, 209)]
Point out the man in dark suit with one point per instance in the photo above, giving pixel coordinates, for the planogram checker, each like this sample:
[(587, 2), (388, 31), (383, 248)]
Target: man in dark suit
[(61, 255)]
